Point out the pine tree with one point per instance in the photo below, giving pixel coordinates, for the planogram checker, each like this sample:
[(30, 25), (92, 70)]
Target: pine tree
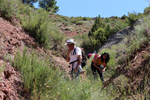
[(49, 5), (29, 1), (97, 24)]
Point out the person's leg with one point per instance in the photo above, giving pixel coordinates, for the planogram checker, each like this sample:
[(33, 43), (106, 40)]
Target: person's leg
[(72, 76), (101, 75), (94, 71), (78, 72)]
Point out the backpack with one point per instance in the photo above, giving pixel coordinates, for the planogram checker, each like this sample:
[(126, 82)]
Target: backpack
[(84, 59), (93, 54)]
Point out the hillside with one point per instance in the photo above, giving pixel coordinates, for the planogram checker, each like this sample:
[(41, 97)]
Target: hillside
[(72, 26), (132, 77), (14, 39), (32, 55), (132, 71), (121, 36)]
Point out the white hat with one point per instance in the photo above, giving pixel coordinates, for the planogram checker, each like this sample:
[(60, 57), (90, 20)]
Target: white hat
[(70, 41)]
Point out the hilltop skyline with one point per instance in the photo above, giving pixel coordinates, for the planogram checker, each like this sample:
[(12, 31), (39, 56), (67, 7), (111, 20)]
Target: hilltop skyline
[(104, 8)]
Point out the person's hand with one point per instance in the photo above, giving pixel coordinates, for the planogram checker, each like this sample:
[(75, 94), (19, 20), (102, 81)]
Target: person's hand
[(103, 70), (75, 70), (68, 51)]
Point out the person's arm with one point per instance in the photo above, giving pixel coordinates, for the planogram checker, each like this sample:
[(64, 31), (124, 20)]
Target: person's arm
[(96, 59), (68, 59), (79, 57), (104, 68)]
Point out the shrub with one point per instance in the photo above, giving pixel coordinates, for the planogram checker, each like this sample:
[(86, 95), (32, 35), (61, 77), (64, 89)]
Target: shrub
[(133, 17), (74, 21), (36, 73), (37, 23), (142, 37), (47, 82), (100, 35), (121, 25), (79, 23), (147, 10), (7, 8), (124, 17), (85, 18)]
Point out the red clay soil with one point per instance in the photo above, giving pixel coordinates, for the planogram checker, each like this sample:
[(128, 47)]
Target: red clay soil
[(138, 71), (11, 86), (13, 39)]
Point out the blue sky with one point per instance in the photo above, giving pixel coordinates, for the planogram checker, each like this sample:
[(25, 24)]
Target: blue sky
[(104, 8)]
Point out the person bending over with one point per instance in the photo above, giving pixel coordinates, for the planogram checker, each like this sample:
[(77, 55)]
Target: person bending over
[(99, 65)]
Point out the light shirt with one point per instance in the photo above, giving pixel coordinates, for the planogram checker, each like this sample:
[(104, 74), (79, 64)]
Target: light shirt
[(74, 57)]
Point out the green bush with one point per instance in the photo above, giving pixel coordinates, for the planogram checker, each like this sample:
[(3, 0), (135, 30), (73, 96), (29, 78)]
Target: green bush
[(142, 37), (38, 76), (100, 35), (7, 8), (88, 44), (56, 41), (124, 17), (132, 17), (37, 23), (120, 25), (147, 10), (79, 23), (74, 21), (48, 82), (85, 18)]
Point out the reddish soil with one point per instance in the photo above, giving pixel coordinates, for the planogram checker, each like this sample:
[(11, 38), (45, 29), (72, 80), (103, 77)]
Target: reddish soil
[(11, 86), (137, 70), (80, 29), (13, 39)]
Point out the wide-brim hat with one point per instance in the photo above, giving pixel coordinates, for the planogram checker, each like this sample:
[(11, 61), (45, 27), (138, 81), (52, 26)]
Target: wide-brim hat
[(70, 41)]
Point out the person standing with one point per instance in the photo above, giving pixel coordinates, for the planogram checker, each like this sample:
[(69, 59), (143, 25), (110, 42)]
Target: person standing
[(99, 64), (74, 57)]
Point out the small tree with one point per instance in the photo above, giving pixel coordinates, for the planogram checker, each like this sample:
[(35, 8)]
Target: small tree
[(132, 18), (100, 36), (30, 2), (49, 5), (97, 24), (147, 10)]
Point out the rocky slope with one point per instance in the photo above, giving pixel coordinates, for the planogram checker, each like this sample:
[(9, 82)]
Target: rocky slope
[(11, 86), (136, 67), (137, 70), (14, 39), (119, 37), (72, 26)]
